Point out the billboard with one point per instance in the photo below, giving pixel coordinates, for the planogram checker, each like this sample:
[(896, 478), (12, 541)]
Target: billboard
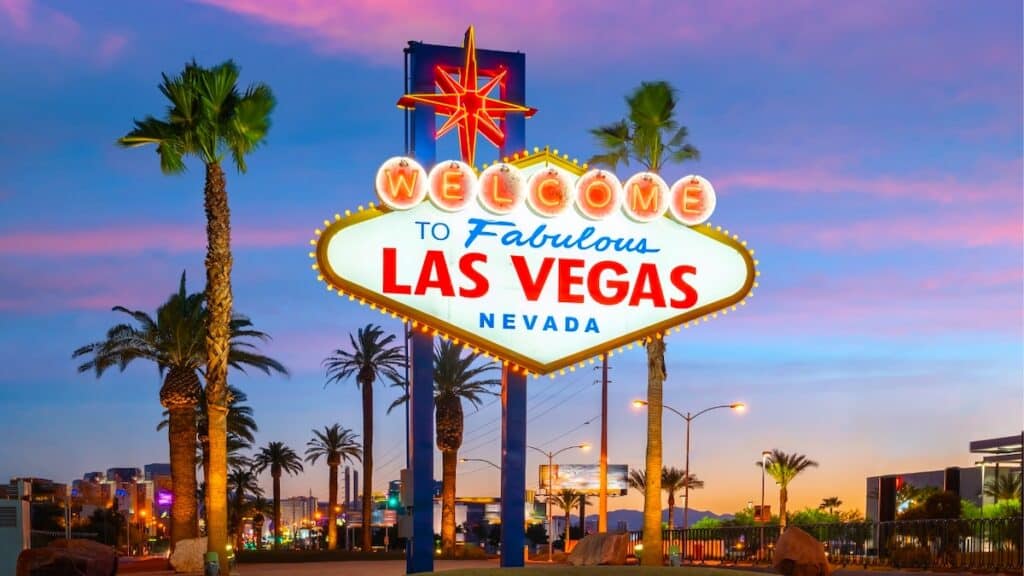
[(536, 261), (586, 478)]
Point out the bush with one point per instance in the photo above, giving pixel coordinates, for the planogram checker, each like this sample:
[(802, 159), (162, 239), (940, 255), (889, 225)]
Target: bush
[(706, 523)]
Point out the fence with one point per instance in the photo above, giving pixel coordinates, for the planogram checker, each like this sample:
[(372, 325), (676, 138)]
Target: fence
[(962, 544)]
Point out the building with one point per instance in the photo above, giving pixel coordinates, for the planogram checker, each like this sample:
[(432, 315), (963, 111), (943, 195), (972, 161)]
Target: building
[(1002, 457)]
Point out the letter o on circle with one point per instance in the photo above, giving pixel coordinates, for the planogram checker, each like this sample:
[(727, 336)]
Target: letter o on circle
[(598, 194), (549, 193), (452, 185), (401, 183)]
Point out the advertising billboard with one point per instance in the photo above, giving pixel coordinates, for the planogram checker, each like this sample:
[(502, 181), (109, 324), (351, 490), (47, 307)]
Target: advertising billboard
[(536, 261), (585, 478)]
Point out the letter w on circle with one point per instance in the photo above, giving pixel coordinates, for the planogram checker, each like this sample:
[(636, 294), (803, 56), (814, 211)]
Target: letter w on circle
[(405, 185)]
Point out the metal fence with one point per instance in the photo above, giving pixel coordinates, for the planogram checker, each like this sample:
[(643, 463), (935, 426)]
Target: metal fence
[(963, 544)]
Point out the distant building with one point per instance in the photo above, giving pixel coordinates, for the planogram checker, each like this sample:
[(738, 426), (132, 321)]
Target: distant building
[(40, 490), (1002, 456)]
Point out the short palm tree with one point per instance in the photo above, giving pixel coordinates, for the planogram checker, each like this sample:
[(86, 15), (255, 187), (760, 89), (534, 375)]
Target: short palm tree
[(372, 355), (175, 340), (830, 504), (455, 380), (279, 459), (637, 480), (567, 499), (243, 481), (208, 117), (651, 136), (335, 445), (783, 468), (259, 508), (1004, 487), (672, 481)]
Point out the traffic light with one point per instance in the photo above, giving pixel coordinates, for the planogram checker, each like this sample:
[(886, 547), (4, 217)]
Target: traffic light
[(392, 500)]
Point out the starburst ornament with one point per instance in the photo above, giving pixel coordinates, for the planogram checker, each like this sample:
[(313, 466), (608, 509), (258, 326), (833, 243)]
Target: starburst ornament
[(468, 105)]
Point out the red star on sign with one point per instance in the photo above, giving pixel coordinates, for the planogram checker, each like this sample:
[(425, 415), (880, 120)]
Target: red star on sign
[(467, 105)]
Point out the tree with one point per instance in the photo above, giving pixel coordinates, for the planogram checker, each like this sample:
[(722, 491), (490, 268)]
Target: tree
[(260, 507), (651, 136), (371, 357), (567, 499), (279, 459), (242, 482), (672, 481), (783, 468), (1004, 487), (335, 445), (175, 340), (637, 480), (207, 118), (830, 504), (455, 380)]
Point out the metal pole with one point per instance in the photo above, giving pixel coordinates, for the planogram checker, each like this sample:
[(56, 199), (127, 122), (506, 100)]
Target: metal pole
[(551, 528), (602, 512), (761, 514), (686, 478)]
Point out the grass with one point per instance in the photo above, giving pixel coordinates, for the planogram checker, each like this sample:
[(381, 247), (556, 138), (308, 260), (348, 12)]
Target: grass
[(563, 570)]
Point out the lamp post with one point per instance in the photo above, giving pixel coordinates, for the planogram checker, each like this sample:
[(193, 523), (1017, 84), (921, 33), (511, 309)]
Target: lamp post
[(547, 503), (688, 417), (485, 461), (764, 456)]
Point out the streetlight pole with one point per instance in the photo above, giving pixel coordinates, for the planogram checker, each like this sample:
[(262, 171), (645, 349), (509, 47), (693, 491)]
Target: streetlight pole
[(464, 460), (764, 457), (688, 417), (547, 502)]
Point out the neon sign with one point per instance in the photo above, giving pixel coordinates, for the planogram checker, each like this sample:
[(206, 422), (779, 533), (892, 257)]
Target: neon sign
[(536, 261)]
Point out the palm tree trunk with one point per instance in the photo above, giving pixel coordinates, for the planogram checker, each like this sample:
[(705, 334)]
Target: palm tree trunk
[(204, 445), (449, 464), (671, 510), (652, 540), (367, 465), (332, 503), (239, 520), (568, 517), (783, 497), (181, 434), (277, 510), (218, 301)]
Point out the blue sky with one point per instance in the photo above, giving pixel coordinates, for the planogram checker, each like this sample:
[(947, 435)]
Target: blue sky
[(870, 153)]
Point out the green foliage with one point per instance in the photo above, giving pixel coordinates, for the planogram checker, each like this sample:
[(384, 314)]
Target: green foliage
[(455, 377), (707, 523), (1001, 509), (908, 494), (783, 467), (537, 534), (372, 355), (811, 516), (335, 445), (937, 506), (279, 458), (1005, 486)]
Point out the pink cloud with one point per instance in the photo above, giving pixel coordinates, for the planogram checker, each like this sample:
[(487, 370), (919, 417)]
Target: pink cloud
[(138, 239), (29, 23), (886, 233)]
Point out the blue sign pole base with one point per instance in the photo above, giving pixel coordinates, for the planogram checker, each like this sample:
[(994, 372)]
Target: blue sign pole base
[(420, 556), (513, 468)]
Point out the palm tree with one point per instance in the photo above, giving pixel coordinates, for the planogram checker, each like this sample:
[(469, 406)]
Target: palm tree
[(783, 468), (637, 480), (259, 508), (1004, 487), (672, 481), (455, 380), (830, 504), (651, 136), (176, 342), (567, 499), (371, 357), (208, 118), (335, 444), (242, 481), (280, 459)]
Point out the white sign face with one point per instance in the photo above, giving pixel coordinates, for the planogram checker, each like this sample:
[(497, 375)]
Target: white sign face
[(543, 288)]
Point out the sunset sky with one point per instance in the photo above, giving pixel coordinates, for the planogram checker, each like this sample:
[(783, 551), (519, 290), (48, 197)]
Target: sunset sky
[(871, 153)]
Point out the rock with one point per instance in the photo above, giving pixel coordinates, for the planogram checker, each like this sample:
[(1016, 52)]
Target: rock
[(188, 555), (79, 557), (600, 549), (797, 553)]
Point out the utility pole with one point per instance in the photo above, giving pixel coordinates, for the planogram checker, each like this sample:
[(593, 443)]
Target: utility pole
[(602, 498)]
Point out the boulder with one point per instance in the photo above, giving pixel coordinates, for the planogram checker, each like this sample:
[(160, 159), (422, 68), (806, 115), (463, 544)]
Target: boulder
[(601, 549), (83, 557), (797, 553), (188, 555)]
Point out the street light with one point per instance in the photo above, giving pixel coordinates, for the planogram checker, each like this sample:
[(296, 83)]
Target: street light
[(764, 457), (464, 460), (547, 503), (736, 406)]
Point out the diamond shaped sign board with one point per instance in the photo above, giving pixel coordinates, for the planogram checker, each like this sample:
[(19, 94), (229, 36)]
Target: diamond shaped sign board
[(537, 261)]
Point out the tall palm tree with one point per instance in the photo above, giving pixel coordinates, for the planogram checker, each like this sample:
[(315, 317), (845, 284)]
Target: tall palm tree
[(455, 380), (279, 459), (567, 499), (830, 504), (1004, 487), (651, 136), (175, 340), (672, 481), (371, 357), (783, 468), (335, 445), (208, 118), (242, 482)]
